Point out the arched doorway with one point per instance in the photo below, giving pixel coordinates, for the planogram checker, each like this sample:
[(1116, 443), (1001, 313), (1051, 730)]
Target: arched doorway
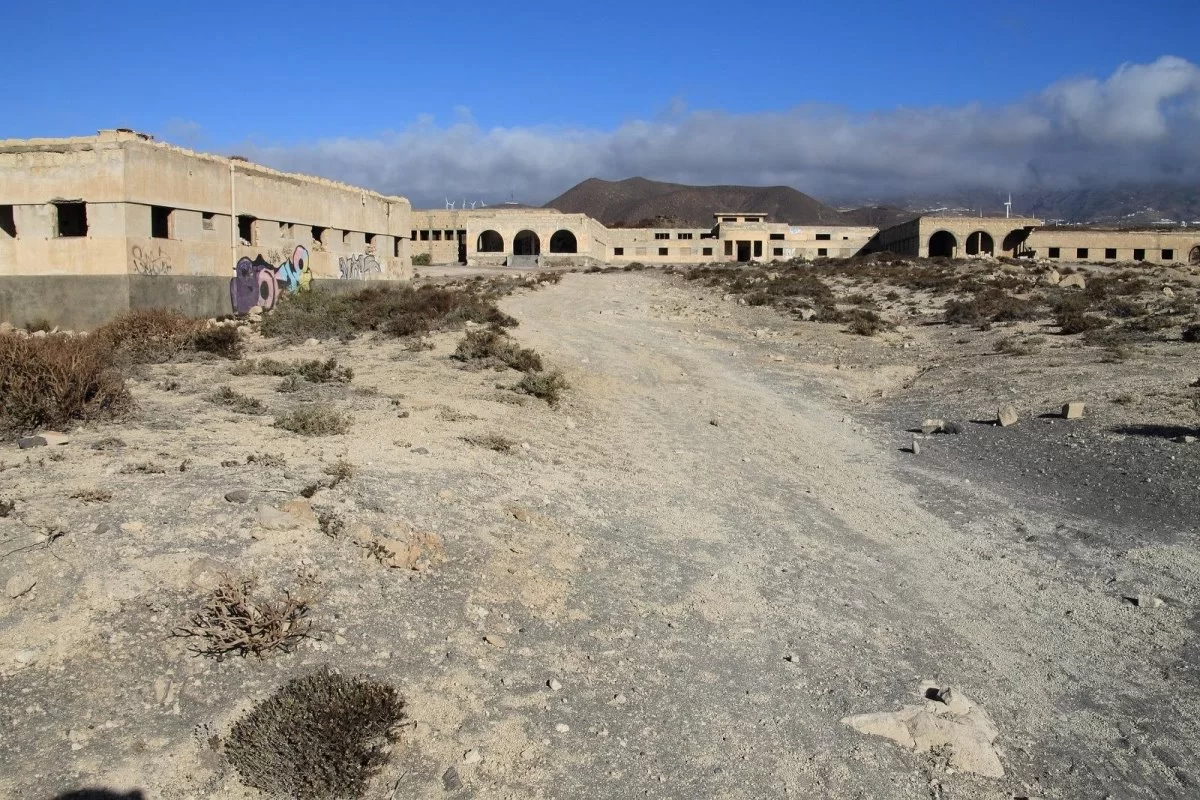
[(490, 242), (943, 245), (1194, 256), (980, 242), (1014, 242), (563, 242), (527, 243)]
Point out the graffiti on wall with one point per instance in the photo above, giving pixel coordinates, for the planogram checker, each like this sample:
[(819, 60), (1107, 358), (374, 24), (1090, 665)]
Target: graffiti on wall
[(360, 266), (259, 282), (145, 262)]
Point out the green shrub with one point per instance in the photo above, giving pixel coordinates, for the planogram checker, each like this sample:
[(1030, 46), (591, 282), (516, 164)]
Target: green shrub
[(547, 386), (494, 347), (422, 259), (236, 401)]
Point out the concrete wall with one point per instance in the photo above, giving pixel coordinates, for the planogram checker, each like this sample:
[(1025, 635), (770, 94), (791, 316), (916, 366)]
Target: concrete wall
[(299, 229), (1152, 246)]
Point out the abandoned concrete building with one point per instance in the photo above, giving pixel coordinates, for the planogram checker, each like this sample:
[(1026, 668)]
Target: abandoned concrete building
[(94, 225)]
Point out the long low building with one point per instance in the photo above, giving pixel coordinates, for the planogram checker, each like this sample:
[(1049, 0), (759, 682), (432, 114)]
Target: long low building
[(91, 226)]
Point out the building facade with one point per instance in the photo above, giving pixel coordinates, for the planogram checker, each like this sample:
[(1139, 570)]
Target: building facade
[(95, 225)]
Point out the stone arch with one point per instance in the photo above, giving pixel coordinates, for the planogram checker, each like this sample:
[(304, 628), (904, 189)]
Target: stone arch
[(564, 242), (1014, 242), (980, 242), (943, 245), (527, 243), (490, 242), (1194, 256)]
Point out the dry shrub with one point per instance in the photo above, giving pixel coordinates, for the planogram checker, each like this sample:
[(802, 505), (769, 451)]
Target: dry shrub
[(392, 310), (312, 370), (1191, 333), (1070, 314), (318, 737), (148, 335), (493, 347), (492, 441), (1019, 345), (232, 620), (547, 386), (221, 340), (53, 381), (236, 401), (314, 420), (991, 305), (865, 323), (92, 495)]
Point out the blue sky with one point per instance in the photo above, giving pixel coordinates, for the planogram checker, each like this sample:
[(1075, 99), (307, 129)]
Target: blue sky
[(304, 84)]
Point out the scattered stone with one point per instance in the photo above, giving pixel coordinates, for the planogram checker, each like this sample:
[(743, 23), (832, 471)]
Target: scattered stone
[(401, 548), (472, 756), (451, 782), (1073, 410), (562, 728), (952, 428), (520, 514), (275, 520), (1007, 415), (554, 685), (1052, 278), (948, 719), (19, 584), (916, 447), (1185, 439), (31, 441), (6, 327), (238, 496), (1144, 600), (421, 451), (310, 342), (133, 526), (494, 640), (932, 426), (1076, 280), (25, 657), (1168, 292)]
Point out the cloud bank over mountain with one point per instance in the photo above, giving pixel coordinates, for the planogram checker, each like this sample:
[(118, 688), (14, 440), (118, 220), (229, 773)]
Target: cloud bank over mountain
[(1142, 123)]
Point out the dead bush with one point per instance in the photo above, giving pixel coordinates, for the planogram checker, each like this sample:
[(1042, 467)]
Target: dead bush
[(236, 401), (494, 347), (144, 468), (491, 441), (233, 620), (53, 381), (1019, 345), (865, 323), (148, 335), (267, 459), (314, 420), (318, 737), (1191, 333), (991, 305), (92, 495), (547, 386), (221, 340), (292, 383), (312, 370)]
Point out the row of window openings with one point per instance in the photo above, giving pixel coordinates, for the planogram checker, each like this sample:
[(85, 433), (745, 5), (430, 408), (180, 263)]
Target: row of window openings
[(662, 251), (436, 236), (1110, 253), (708, 251)]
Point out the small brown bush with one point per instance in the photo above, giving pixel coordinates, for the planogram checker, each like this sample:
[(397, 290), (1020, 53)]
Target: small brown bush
[(236, 401), (492, 441), (221, 340), (547, 386), (422, 259), (147, 336), (312, 370), (318, 737), (495, 347), (53, 381), (314, 420), (92, 495), (865, 323), (1019, 345), (232, 620)]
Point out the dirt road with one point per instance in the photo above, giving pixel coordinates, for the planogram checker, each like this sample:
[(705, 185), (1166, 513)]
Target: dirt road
[(709, 555)]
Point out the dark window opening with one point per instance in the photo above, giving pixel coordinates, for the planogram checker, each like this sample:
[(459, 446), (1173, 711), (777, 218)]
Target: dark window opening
[(778, 251), (1081, 252), (437, 236), (662, 236), (246, 228), (822, 251), (708, 236), (396, 247), (449, 236), (207, 220), (824, 237), (845, 238), (346, 237), (758, 248), (490, 242), (160, 222), (318, 234), (728, 247), (662, 251), (72, 219), (1168, 255), (708, 251), (776, 237), (563, 242), (1110, 252), (370, 239), (424, 236), (8, 223), (413, 236), (618, 251), (285, 230), (684, 236), (1139, 255), (728, 219), (1053, 252)]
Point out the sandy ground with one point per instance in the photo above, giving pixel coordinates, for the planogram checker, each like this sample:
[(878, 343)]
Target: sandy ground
[(717, 547)]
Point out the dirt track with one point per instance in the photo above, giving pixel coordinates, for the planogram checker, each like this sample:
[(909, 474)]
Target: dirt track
[(716, 546)]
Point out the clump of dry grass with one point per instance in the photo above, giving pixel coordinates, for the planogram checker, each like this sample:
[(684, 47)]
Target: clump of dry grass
[(148, 335), (1019, 345), (491, 441), (314, 420), (491, 347), (92, 495), (233, 620), (318, 737), (220, 340), (548, 386), (312, 370), (236, 401)]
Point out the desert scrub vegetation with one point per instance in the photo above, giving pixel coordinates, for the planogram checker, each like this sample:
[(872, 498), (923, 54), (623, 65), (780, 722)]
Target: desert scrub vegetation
[(422, 259), (322, 736), (314, 420), (54, 381), (233, 620), (312, 370), (393, 311), (548, 386), (492, 347), (1019, 345), (236, 401), (491, 441)]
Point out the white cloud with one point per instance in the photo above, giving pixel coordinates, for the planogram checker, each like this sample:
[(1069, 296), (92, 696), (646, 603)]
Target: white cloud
[(1138, 124)]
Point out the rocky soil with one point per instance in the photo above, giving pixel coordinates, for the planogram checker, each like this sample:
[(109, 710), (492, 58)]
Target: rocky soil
[(690, 578)]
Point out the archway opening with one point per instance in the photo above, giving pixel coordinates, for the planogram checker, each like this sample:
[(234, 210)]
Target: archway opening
[(527, 243), (980, 242), (1194, 256), (943, 245), (490, 242), (1014, 242), (563, 242)]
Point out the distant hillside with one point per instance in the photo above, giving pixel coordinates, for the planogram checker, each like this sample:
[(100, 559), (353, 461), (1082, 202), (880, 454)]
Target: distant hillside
[(637, 202)]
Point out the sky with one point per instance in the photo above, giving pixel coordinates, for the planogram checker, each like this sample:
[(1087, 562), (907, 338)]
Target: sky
[(487, 101)]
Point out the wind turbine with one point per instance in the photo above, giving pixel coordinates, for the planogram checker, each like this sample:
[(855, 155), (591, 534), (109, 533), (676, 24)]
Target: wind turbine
[(1008, 207), (449, 203)]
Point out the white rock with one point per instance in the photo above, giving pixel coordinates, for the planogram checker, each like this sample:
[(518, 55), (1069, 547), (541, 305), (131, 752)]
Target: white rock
[(19, 584), (554, 685), (472, 756), (562, 728)]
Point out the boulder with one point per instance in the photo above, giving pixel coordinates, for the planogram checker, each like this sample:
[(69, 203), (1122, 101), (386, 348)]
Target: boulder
[(932, 426), (275, 520), (1168, 292), (1076, 280), (1072, 410), (1007, 415)]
